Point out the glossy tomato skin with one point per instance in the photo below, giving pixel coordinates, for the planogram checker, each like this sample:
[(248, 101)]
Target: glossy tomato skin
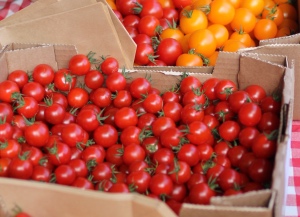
[(43, 74), (7, 88), (201, 194), (109, 65), (77, 97), (115, 82), (126, 6), (148, 25), (105, 135), (139, 87), (126, 117), (161, 184), (79, 64), (64, 174), (37, 134), (143, 53), (20, 168), (250, 114), (64, 80), (18, 76), (168, 51)]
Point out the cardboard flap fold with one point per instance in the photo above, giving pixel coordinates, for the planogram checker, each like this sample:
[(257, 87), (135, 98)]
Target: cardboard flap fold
[(255, 66)]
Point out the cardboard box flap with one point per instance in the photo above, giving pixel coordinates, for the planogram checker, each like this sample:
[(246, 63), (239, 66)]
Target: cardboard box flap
[(57, 56), (43, 8), (87, 202), (282, 159), (291, 39), (191, 210), (66, 28), (249, 199), (255, 66)]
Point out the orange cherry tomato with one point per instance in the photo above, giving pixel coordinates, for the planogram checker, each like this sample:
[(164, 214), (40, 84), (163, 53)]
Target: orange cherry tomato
[(192, 20), (172, 33), (284, 31), (274, 13), (243, 37), (189, 59), (255, 6), (220, 33), (184, 42), (203, 41), (289, 11), (265, 29), (243, 19), (233, 45), (221, 12)]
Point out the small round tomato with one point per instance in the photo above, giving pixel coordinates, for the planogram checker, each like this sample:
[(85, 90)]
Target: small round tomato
[(94, 79), (132, 153), (221, 12), (139, 87), (105, 135), (224, 88), (7, 89), (168, 50), (20, 167), (77, 97), (126, 117), (192, 20), (109, 65), (43, 74), (64, 80), (79, 64), (148, 25), (37, 134), (18, 76), (140, 180), (249, 114), (201, 194), (64, 174), (161, 184), (203, 41), (229, 130), (101, 97), (115, 82), (265, 29)]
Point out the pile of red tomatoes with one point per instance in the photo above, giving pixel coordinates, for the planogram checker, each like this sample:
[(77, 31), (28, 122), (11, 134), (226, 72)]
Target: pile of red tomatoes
[(115, 134)]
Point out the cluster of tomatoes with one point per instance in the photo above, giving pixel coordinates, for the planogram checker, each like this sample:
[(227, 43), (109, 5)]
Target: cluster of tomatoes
[(108, 133), (192, 32)]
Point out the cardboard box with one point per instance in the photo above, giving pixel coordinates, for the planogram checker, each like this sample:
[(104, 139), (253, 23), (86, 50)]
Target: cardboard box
[(89, 24), (270, 71)]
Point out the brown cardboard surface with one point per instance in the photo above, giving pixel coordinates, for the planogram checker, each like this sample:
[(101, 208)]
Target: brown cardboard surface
[(64, 25), (63, 201), (43, 8)]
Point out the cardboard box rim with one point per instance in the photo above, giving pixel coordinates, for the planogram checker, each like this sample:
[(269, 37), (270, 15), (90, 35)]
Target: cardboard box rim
[(266, 210)]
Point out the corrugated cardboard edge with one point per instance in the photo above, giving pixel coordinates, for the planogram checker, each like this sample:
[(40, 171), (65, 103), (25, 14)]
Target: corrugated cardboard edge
[(282, 159), (87, 202)]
